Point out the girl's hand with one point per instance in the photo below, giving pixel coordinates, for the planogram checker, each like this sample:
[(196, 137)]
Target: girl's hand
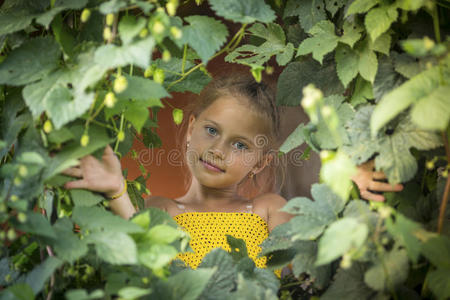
[(368, 182), (103, 176)]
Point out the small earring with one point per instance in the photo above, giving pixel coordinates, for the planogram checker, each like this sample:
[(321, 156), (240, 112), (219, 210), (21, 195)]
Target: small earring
[(187, 144), (251, 174)]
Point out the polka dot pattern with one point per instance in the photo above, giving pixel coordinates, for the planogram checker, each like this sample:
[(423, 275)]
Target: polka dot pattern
[(208, 231)]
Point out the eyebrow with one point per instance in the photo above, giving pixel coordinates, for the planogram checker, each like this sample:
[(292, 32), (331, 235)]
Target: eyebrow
[(239, 136)]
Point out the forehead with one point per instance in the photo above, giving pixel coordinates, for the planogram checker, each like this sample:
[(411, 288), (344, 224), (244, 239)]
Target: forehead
[(235, 115)]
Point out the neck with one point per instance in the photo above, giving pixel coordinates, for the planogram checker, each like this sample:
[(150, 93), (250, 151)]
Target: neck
[(207, 196)]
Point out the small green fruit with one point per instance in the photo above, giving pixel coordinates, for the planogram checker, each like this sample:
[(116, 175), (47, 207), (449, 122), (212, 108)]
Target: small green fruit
[(177, 115), (158, 76), (120, 84), (171, 8), (121, 136), (176, 32), (143, 33), (166, 56), (85, 15), (158, 27), (48, 127), (84, 141), (110, 99), (109, 19), (107, 34)]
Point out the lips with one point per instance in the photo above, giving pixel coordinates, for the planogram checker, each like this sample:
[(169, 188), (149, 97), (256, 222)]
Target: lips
[(211, 166)]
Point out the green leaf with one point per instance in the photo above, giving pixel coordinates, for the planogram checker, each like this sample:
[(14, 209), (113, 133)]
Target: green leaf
[(382, 44), (412, 91), (439, 281), (275, 44), (83, 295), (299, 74), (309, 12), (205, 35), (243, 11), (112, 6), (114, 247), (186, 285), (368, 63), (333, 5), (138, 53), (249, 289), (63, 93), (346, 64), (432, 112), (379, 278), (238, 247), (36, 224), (39, 275), (349, 285), (395, 158), (323, 41), (17, 15), (33, 60), (67, 244), (132, 292), (59, 6), (361, 6), (437, 250), (403, 231), (337, 173), (407, 65), (97, 219), (295, 139), (20, 291), (163, 234), (85, 198), (342, 236), (362, 92), (379, 19), (313, 216), (142, 89), (155, 256), (129, 28), (352, 33)]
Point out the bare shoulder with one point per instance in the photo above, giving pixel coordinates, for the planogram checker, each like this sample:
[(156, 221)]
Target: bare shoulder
[(160, 202), (271, 204)]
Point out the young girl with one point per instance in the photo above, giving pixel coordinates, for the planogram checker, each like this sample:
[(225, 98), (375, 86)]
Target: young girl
[(231, 135)]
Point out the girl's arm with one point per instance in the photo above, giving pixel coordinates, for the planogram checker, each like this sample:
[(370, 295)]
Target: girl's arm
[(103, 176)]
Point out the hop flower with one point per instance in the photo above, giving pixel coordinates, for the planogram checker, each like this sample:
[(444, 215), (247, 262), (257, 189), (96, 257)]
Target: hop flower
[(310, 96), (176, 32), (48, 127), (85, 15), (158, 76), (109, 19), (107, 34), (110, 99), (120, 84), (171, 8), (166, 55), (121, 136), (177, 115), (143, 33), (158, 27), (84, 141), (149, 71)]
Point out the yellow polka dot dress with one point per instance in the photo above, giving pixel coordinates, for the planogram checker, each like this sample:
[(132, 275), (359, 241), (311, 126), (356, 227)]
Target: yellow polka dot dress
[(208, 231)]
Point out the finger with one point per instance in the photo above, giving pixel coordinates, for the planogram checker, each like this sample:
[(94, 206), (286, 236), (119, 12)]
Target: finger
[(371, 196), (74, 172), (77, 184), (384, 187), (108, 151), (378, 175)]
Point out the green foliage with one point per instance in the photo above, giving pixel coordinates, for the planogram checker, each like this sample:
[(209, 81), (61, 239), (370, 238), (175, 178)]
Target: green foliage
[(243, 11)]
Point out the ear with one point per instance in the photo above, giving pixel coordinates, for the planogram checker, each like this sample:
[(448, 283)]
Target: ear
[(190, 127), (265, 161)]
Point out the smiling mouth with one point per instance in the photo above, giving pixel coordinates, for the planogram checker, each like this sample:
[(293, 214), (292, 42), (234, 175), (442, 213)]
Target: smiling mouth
[(211, 166)]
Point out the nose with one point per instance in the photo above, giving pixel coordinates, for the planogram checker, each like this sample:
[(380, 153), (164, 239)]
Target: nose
[(217, 150)]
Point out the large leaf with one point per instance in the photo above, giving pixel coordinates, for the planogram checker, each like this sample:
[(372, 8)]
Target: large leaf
[(339, 238), (322, 42), (309, 12), (275, 44), (58, 6), (137, 53), (41, 273), (313, 216), (67, 244), (33, 60), (368, 63), (403, 231), (205, 35), (114, 247), (379, 19), (361, 6), (130, 27), (346, 63), (412, 91), (432, 112), (295, 139), (437, 250), (186, 285), (380, 278), (63, 93), (439, 281), (85, 198), (352, 33), (97, 219), (37, 224), (17, 15), (333, 5), (243, 11), (299, 74)]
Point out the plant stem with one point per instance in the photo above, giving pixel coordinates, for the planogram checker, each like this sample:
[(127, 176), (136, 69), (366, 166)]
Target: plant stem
[(444, 200), (183, 63), (116, 146)]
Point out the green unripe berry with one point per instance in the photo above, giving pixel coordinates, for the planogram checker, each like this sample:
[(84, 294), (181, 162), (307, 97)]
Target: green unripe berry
[(11, 234), (109, 19), (48, 127), (148, 72), (110, 99), (157, 27), (166, 56), (158, 76), (138, 186), (85, 15), (107, 34), (171, 8), (120, 84), (121, 136), (17, 181), (84, 141), (14, 198), (177, 115), (22, 217), (176, 32), (430, 165), (23, 171), (346, 261), (143, 33)]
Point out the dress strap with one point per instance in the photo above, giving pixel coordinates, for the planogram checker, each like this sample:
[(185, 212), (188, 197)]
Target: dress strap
[(249, 208)]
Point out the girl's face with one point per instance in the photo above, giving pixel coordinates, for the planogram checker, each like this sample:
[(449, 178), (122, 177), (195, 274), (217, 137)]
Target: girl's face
[(226, 143)]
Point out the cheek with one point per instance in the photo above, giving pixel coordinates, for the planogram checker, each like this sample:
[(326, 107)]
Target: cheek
[(243, 160)]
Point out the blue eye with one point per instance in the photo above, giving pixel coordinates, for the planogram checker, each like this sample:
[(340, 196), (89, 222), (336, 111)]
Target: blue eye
[(211, 130), (240, 146)]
